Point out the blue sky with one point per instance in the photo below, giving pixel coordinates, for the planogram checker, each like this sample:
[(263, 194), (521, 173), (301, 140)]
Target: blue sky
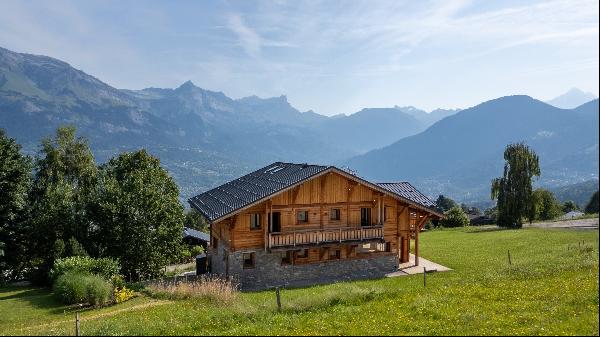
[(328, 56)]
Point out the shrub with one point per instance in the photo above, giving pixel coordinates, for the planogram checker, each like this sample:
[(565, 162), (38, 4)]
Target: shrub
[(71, 287), (98, 290), (103, 267), (75, 287), (196, 250), (211, 288), (123, 294), (455, 217)]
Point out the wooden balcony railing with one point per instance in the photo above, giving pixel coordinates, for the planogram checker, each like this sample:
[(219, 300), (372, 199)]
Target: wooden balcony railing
[(311, 237)]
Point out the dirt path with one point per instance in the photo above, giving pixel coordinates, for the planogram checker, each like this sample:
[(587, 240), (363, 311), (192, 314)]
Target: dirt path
[(84, 318), (573, 224)]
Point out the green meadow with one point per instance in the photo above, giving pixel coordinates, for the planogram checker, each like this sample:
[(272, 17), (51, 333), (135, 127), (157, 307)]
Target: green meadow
[(551, 288)]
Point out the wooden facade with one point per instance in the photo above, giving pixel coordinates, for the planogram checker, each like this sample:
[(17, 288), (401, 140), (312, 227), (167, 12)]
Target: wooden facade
[(332, 216)]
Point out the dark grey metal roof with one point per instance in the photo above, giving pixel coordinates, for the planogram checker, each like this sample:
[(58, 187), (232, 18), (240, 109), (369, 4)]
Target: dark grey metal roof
[(408, 191), (189, 232), (246, 190)]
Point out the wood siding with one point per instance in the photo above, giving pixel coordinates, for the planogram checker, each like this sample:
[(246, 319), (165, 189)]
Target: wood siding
[(318, 197)]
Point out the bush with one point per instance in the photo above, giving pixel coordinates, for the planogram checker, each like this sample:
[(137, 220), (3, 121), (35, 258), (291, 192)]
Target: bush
[(75, 287), (455, 217), (98, 290), (103, 267), (123, 294), (196, 250)]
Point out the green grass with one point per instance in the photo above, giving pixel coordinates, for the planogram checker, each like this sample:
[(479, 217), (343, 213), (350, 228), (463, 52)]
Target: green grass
[(550, 288)]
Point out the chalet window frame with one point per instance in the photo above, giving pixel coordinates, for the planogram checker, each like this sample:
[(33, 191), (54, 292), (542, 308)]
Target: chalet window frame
[(287, 258), (255, 221), (335, 254), (302, 254), (306, 215), (335, 214), (249, 256)]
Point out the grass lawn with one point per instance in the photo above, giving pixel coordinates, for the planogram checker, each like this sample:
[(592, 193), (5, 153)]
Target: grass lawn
[(550, 288)]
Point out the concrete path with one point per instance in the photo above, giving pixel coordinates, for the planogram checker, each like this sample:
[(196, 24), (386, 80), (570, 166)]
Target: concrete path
[(409, 268), (573, 224)]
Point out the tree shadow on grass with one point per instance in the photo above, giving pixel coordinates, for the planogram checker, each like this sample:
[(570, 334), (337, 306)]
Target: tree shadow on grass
[(41, 298)]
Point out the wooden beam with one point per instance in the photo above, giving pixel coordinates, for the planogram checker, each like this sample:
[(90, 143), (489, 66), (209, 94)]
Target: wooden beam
[(265, 229)]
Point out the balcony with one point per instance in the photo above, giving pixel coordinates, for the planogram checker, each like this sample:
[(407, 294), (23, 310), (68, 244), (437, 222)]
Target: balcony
[(315, 237)]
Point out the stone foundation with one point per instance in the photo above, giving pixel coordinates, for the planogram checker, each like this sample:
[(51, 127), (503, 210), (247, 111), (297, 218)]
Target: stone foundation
[(268, 272)]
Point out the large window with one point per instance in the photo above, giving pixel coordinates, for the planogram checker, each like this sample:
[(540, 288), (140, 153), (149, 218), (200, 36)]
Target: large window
[(302, 216), (335, 214), (248, 260), (334, 254), (255, 221)]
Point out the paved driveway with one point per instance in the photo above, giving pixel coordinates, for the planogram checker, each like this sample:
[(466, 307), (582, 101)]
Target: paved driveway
[(573, 224)]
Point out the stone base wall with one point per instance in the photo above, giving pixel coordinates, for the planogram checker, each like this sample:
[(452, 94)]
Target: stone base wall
[(269, 272), (217, 259)]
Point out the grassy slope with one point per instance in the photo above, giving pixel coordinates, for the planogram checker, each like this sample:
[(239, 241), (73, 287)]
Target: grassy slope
[(549, 289)]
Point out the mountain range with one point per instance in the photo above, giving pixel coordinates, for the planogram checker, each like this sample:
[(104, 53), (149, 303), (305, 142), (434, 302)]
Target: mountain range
[(571, 99), (205, 138)]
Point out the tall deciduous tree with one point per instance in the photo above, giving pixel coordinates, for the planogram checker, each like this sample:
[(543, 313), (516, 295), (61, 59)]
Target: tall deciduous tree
[(546, 205), (65, 175), (137, 215), (15, 178), (444, 203), (513, 191)]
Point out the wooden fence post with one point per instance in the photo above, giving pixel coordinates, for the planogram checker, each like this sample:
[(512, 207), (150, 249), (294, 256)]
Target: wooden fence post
[(77, 332), (509, 259), (278, 299), (424, 277)]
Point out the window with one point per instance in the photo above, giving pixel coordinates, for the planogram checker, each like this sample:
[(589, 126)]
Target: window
[(302, 216), (335, 214), (334, 254), (388, 247), (302, 254), (255, 221), (365, 216), (287, 258), (248, 260)]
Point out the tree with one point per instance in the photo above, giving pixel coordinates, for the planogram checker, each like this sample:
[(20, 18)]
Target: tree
[(15, 179), (65, 175), (455, 217), (546, 205), (592, 206), (513, 191), (444, 203), (195, 220), (136, 213), (569, 206)]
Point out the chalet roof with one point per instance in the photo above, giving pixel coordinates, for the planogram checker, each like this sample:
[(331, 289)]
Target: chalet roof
[(245, 191), (192, 233), (408, 191), (252, 187)]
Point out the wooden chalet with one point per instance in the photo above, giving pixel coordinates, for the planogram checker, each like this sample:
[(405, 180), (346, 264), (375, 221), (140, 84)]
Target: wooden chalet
[(297, 224)]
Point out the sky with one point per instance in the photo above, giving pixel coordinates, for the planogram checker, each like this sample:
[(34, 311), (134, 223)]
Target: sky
[(327, 56)]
